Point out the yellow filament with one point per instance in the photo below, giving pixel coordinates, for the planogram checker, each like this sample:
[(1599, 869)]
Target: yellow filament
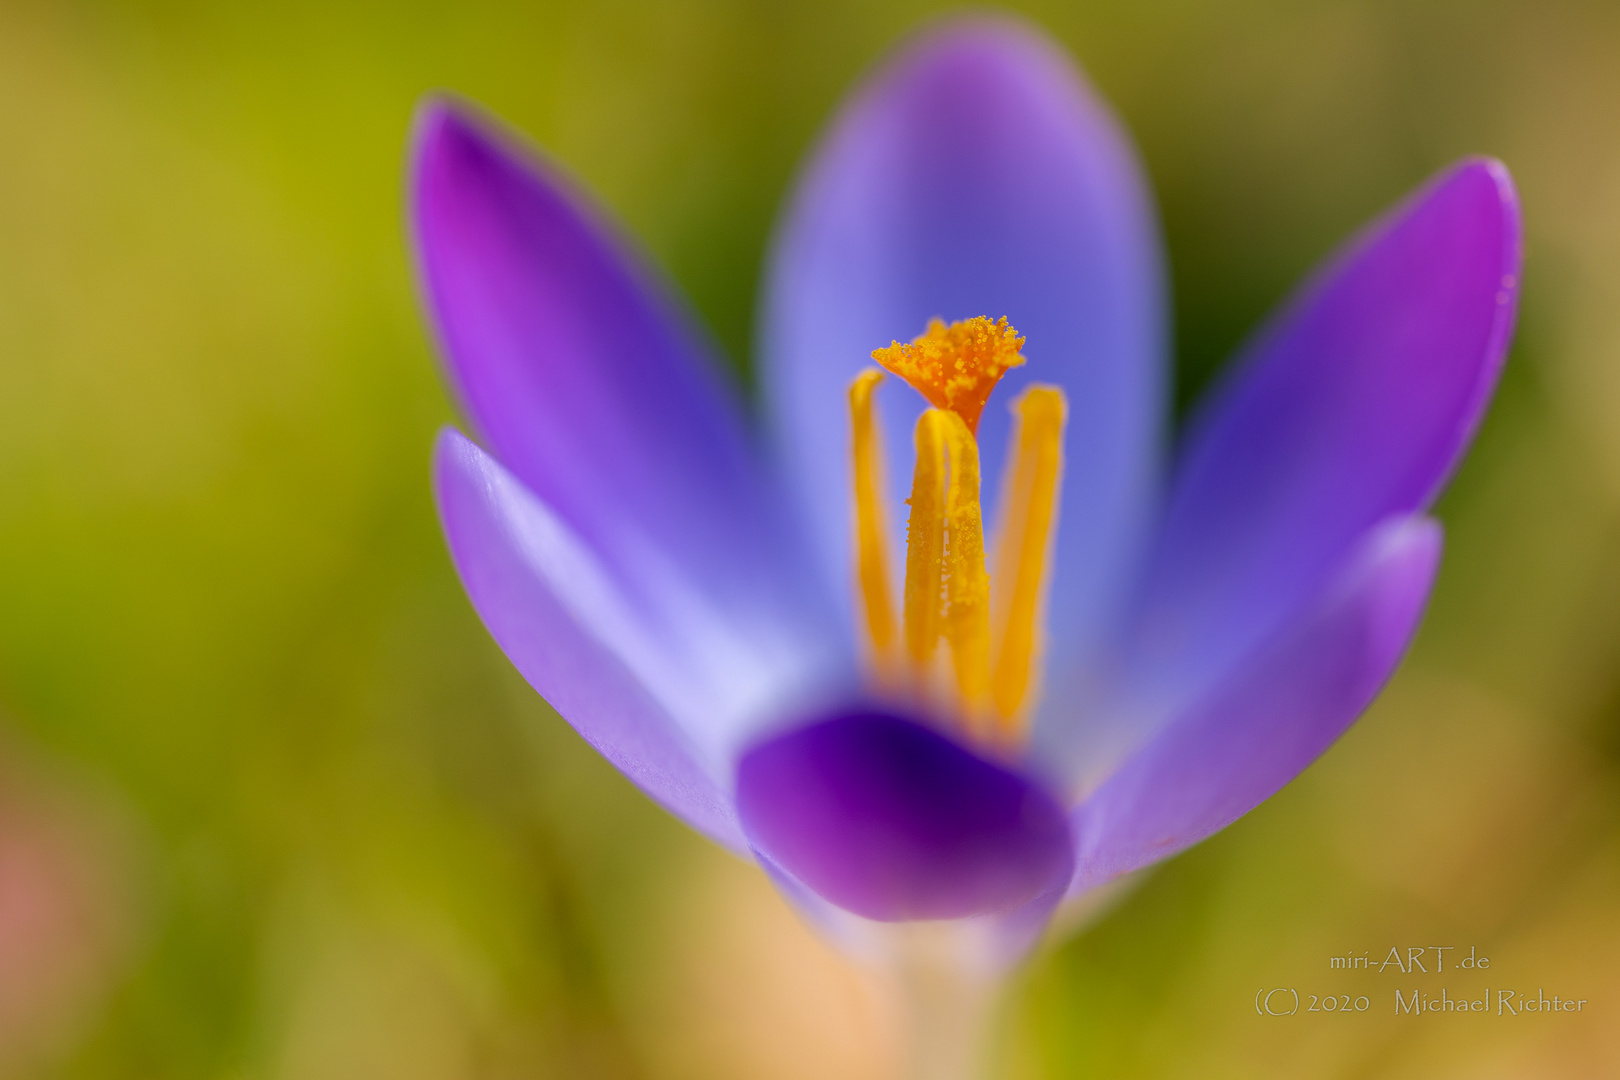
[(947, 589), (925, 546), (967, 585), (1023, 544), (871, 533)]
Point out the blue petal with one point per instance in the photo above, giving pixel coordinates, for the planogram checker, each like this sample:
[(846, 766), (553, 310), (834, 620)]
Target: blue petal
[(589, 651), (1257, 729), (592, 389), (976, 174), (1353, 405)]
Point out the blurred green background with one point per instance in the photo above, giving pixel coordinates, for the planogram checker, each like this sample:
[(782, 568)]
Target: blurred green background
[(273, 806)]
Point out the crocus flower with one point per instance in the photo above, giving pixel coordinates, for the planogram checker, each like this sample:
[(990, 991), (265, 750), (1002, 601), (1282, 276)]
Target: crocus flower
[(1140, 655)]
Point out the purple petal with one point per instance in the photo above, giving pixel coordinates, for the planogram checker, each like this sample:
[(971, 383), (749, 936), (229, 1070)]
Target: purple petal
[(562, 620), (593, 391), (978, 943), (1237, 746), (1352, 406), (890, 820), (977, 174)]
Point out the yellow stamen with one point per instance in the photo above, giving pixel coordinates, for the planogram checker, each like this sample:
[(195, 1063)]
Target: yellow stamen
[(925, 546), (967, 586), (955, 367), (1023, 544), (871, 532), (947, 591)]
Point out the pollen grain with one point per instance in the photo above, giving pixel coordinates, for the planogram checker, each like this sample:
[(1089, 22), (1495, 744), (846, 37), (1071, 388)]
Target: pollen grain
[(956, 366)]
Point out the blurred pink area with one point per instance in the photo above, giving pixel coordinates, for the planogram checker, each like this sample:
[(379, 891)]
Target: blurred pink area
[(65, 911)]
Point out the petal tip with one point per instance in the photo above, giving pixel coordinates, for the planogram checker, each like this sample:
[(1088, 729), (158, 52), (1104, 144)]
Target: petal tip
[(451, 447), (446, 143), (438, 122), (455, 460), (982, 45), (1490, 185), (1496, 172), (447, 137), (1489, 180), (432, 113), (462, 155)]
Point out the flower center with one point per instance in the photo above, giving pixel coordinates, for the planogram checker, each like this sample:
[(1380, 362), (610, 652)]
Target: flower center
[(992, 634)]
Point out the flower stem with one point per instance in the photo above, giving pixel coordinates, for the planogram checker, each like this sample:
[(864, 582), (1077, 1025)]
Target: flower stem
[(949, 1009)]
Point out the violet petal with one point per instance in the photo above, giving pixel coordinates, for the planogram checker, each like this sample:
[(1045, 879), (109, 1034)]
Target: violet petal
[(977, 174), (592, 389), (891, 820), (1272, 717), (560, 619), (1353, 405)]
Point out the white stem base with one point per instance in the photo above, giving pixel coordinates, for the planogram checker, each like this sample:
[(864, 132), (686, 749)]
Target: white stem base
[(949, 1006)]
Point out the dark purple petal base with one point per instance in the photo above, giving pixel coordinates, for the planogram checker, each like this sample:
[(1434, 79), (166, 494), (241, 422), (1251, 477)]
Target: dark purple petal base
[(891, 820)]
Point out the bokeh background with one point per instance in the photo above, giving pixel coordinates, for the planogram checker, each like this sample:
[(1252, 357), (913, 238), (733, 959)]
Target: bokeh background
[(273, 806)]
